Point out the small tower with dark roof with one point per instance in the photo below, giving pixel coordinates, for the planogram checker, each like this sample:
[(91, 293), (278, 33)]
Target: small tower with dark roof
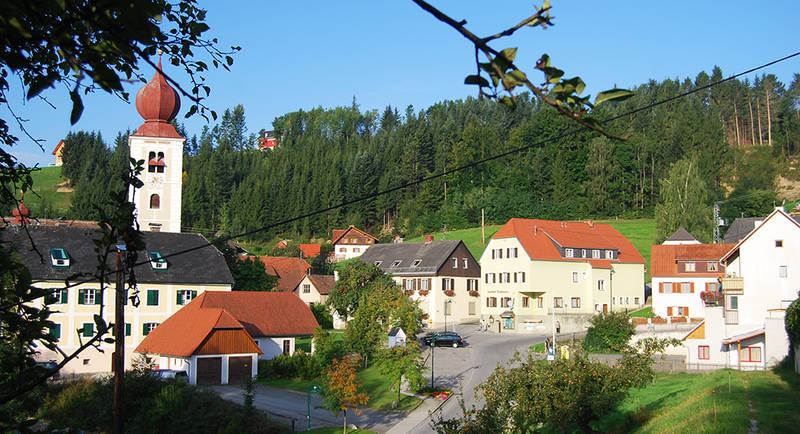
[(158, 202)]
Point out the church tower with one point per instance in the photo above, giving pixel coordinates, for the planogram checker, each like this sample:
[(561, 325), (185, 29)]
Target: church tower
[(158, 202)]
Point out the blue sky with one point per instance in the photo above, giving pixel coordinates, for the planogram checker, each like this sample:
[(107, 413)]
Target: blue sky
[(302, 55)]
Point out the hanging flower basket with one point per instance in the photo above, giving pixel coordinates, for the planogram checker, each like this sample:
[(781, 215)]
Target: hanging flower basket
[(449, 293), (409, 292), (423, 292), (474, 293)]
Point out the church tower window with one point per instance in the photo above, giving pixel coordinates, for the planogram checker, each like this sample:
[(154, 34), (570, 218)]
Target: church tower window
[(155, 201)]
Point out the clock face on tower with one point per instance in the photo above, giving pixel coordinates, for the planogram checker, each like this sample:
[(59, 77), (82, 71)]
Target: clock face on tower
[(155, 180)]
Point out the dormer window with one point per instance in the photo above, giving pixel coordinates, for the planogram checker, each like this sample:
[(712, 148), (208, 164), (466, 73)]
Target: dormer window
[(378, 263), (416, 262), (568, 253), (595, 254), (157, 261), (609, 254), (59, 257), (396, 263)]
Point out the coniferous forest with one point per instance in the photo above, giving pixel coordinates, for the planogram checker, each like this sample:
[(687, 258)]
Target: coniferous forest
[(739, 136)]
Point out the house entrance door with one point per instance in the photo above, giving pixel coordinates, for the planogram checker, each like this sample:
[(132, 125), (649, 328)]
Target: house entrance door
[(605, 308)]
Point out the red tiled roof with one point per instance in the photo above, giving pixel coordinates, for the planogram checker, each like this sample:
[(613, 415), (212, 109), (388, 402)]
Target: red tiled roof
[(339, 233), (183, 332), (310, 250), (664, 258), (264, 313), (323, 283), (290, 271), (538, 236)]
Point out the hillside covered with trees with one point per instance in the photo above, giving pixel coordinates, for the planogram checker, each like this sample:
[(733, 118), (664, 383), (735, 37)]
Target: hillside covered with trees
[(732, 141)]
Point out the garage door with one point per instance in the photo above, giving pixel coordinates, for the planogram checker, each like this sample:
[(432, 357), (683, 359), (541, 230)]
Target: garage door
[(209, 371), (239, 369)]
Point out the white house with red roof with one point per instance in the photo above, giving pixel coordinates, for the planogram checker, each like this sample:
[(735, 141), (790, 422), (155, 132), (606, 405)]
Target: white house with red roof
[(351, 243), (762, 278), (683, 274), (534, 268)]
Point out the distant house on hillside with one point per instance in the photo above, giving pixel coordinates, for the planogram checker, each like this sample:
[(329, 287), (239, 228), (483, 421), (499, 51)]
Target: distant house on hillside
[(289, 271), (680, 236), (350, 243), (268, 142), (310, 250), (535, 268), (59, 152)]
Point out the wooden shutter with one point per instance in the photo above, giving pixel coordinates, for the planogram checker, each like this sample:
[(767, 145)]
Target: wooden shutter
[(669, 311), (127, 329), (691, 287), (404, 285), (81, 296), (98, 296), (661, 287), (429, 284), (64, 296)]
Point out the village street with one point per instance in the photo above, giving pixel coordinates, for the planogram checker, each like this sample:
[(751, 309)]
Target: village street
[(457, 369)]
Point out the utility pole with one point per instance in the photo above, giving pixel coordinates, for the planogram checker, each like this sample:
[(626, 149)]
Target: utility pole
[(717, 238), (118, 358), (483, 228)]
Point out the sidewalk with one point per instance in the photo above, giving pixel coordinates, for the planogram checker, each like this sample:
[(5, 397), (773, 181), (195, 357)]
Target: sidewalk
[(419, 415)]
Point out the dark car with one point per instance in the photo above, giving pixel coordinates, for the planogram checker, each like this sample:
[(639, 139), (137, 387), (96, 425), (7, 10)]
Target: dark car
[(169, 374), (444, 339)]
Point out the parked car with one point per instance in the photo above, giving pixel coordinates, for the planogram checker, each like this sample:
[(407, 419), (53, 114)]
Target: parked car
[(49, 366), (167, 374), (444, 339)]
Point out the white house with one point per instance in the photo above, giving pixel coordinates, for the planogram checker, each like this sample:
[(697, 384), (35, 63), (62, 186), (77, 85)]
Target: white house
[(762, 278), (351, 243)]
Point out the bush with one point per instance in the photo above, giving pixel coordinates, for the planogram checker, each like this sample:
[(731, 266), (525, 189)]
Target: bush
[(322, 314), (298, 365), (793, 322), (610, 331), (326, 348)]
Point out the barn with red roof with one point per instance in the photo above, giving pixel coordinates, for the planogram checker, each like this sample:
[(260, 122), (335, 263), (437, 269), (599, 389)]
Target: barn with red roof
[(532, 269)]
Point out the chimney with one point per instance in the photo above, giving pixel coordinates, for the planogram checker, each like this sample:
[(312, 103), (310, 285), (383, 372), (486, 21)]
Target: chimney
[(590, 223), (428, 238)]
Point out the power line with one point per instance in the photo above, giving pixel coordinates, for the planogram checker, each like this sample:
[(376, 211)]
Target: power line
[(450, 171)]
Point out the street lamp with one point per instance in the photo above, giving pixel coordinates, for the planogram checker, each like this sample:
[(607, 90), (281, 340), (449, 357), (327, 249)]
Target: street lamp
[(312, 389)]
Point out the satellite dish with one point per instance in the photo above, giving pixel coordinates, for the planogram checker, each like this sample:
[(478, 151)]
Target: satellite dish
[(511, 304)]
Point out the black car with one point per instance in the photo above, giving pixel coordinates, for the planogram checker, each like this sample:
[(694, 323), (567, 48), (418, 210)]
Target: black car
[(444, 339)]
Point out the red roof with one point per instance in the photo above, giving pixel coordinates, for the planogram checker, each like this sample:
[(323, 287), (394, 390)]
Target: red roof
[(310, 250), (158, 103), (186, 330), (539, 238), (664, 258), (290, 271), (264, 313), (340, 233), (57, 150)]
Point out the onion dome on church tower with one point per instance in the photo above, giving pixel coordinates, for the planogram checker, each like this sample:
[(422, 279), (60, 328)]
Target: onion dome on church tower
[(21, 212), (158, 103)]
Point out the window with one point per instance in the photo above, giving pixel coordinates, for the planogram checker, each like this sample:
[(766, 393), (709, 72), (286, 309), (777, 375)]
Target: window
[(711, 266), (155, 201), (575, 302), (486, 278), (689, 266), (455, 262), (185, 296), (526, 301), (540, 302), (494, 277), (59, 257), (448, 284), (89, 296), (344, 240), (734, 303), (306, 288), (778, 243), (491, 301), (88, 330), (574, 277), (521, 276), (127, 330), (151, 162), (558, 302), (504, 301), (148, 327), (416, 262), (287, 347), (601, 285), (152, 297), (157, 262), (636, 300), (378, 263), (609, 254), (703, 352), (686, 288), (396, 263), (507, 276), (353, 241), (512, 252), (584, 254), (425, 284), (613, 300), (472, 284), (627, 300), (596, 254), (59, 296), (568, 253), (750, 354), (465, 263), (160, 163), (666, 287), (342, 249), (782, 271), (356, 249), (55, 331)]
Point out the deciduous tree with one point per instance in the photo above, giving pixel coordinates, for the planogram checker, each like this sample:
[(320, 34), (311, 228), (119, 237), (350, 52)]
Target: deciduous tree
[(342, 389)]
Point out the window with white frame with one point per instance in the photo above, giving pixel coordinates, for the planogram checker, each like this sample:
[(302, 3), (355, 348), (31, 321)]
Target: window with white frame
[(494, 277), (306, 288), (396, 263), (504, 301), (575, 302), (540, 302), (356, 249), (558, 302), (148, 327), (601, 285), (613, 300), (782, 271), (711, 266), (424, 284), (689, 266), (507, 276), (88, 296), (636, 300), (448, 284), (568, 253), (378, 263), (514, 251), (627, 300), (609, 254), (521, 276), (185, 295), (686, 287), (465, 263), (526, 301), (574, 277), (667, 287), (59, 296), (472, 284), (416, 262), (596, 254), (455, 262), (491, 301)]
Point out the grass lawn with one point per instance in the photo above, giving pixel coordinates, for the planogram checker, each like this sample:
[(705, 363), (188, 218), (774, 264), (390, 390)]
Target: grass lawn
[(291, 384), (471, 237), (44, 189), (642, 313), (641, 233), (305, 343), (702, 403)]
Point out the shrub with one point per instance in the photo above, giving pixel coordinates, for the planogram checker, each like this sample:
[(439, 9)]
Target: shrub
[(322, 314), (326, 348), (793, 322), (298, 365), (610, 331)]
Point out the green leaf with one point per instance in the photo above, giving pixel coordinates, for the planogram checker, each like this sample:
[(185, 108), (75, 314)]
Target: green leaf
[(518, 75), (509, 53), (508, 101), (101, 323), (553, 74), (476, 80), (613, 95), (108, 340), (77, 107)]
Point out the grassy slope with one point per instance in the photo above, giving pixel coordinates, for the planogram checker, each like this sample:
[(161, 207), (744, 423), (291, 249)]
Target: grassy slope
[(641, 232), (702, 403), (44, 188)]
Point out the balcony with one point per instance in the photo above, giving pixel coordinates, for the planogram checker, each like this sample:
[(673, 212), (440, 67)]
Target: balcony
[(732, 284)]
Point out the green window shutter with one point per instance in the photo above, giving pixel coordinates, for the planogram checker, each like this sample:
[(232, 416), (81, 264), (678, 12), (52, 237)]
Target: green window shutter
[(194, 295), (88, 329), (127, 329), (81, 296), (98, 297), (152, 297), (55, 331), (145, 329), (64, 296), (178, 297)]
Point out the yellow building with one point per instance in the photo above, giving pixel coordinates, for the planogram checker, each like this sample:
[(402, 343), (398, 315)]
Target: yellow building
[(533, 269), (164, 286)]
